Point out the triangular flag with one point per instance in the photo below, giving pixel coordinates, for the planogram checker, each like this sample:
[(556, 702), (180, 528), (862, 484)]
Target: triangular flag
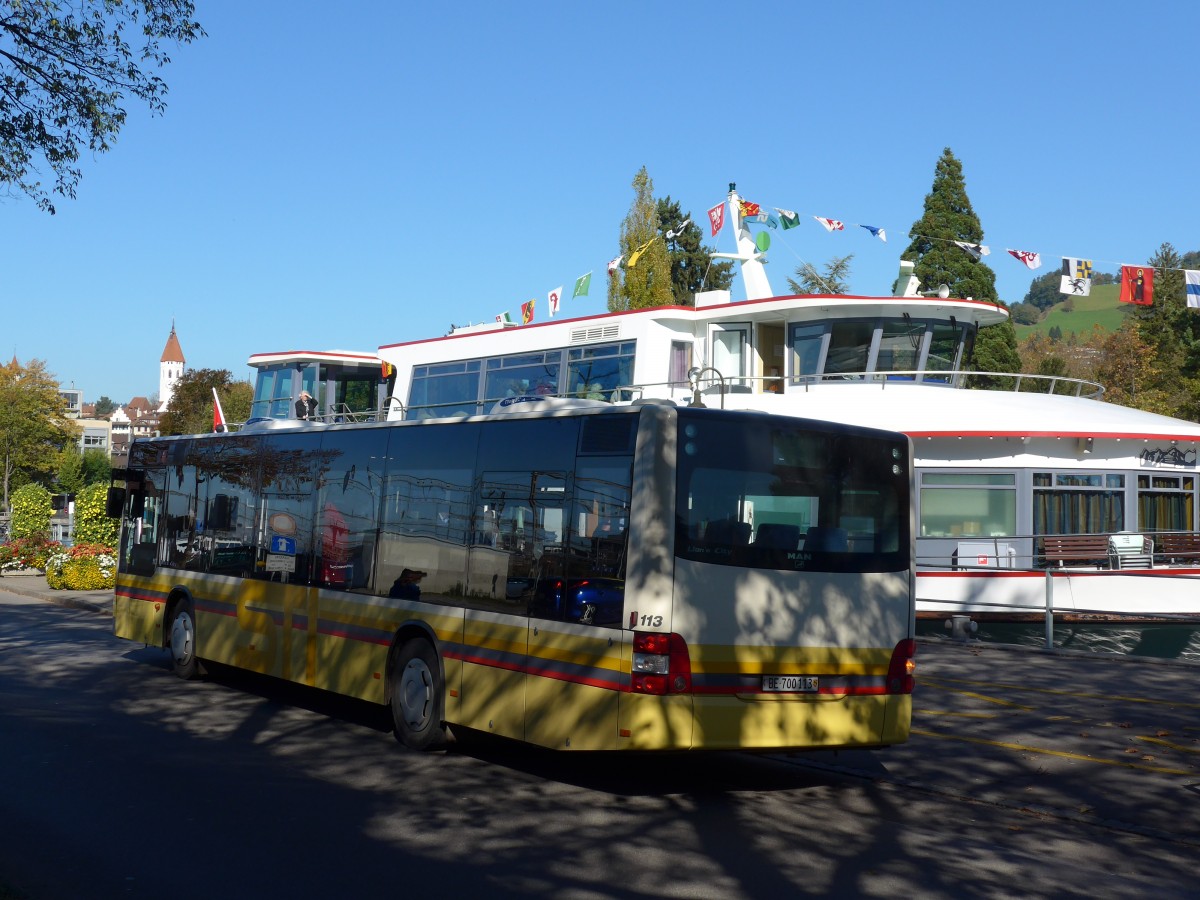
[(218, 414), (788, 218), (830, 224), (1192, 287), (555, 298), (504, 318), (1076, 277), (527, 312), (637, 254), (614, 266), (716, 218), (876, 232), (582, 283), (1137, 285), (977, 251), (1031, 259)]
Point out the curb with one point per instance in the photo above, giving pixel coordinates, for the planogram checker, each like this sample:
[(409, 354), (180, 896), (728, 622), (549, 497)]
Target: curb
[(90, 601)]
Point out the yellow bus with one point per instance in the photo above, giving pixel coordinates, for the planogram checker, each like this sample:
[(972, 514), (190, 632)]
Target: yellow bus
[(569, 573)]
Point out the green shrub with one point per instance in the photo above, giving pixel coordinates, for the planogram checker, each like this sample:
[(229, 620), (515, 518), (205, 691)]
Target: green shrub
[(92, 524), (31, 511)]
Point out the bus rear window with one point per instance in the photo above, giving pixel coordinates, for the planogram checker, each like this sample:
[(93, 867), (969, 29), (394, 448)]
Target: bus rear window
[(791, 496)]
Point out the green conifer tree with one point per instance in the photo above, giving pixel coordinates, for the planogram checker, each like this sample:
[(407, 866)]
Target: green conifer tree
[(948, 217)]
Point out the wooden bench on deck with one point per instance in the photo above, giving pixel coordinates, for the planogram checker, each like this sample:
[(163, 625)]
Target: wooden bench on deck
[(1086, 549), (1179, 548)]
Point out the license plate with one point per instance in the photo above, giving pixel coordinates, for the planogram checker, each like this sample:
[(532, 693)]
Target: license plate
[(798, 684)]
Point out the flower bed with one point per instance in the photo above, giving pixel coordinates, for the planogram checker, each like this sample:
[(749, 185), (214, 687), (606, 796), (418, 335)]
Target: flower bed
[(84, 567), (27, 553)]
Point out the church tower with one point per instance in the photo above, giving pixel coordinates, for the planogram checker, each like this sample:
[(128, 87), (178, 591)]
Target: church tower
[(170, 368)]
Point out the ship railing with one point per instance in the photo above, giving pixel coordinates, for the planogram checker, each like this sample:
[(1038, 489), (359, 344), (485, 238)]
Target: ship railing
[(710, 384), (1018, 382), (1111, 551)]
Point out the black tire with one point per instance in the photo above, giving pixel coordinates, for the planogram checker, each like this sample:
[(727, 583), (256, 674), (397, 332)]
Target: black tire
[(418, 697), (181, 641)]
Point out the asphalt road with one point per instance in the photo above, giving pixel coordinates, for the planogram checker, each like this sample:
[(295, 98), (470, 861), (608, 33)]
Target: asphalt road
[(1027, 775)]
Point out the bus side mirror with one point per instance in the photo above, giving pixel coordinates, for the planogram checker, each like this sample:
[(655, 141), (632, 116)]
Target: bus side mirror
[(114, 504)]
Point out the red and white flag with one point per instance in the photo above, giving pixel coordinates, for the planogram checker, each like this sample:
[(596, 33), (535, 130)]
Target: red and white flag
[(1031, 259), (555, 298), (218, 414), (716, 218), (830, 224), (614, 266)]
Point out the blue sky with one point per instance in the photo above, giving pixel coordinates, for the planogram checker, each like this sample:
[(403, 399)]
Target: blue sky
[(340, 181)]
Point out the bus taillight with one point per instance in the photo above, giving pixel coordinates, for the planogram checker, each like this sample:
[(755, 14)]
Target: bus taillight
[(901, 668), (661, 664)]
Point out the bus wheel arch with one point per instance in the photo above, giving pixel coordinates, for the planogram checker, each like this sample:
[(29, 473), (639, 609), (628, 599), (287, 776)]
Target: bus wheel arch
[(416, 690), (179, 635)]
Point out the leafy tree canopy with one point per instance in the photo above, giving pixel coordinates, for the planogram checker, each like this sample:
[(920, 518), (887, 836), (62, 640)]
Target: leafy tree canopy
[(191, 408), (66, 70), (34, 427), (643, 278), (835, 279), (104, 406)]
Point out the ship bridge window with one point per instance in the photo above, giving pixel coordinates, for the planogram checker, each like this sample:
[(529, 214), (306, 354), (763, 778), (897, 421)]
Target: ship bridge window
[(1078, 502), (807, 345), (946, 346), (900, 345), (849, 348), (525, 375), (956, 504), (1166, 502)]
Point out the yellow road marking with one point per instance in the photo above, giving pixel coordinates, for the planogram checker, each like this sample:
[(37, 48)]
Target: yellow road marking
[(997, 700), (1055, 691), (946, 712), (1168, 744), (1064, 754)]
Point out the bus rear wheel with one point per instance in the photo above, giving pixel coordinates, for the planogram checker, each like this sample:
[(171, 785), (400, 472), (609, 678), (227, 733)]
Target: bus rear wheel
[(181, 641), (417, 697)]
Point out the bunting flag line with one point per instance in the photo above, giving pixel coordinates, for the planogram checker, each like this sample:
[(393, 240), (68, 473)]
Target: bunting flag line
[(748, 209), (830, 224), (614, 266), (219, 425), (1192, 287), (582, 283), (1137, 285), (716, 218), (504, 318), (788, 218), (876, 232), (554, 298), (527, 312), (1032, 260), (1076, 277), (637, 254), (977, 251), (678, 230)]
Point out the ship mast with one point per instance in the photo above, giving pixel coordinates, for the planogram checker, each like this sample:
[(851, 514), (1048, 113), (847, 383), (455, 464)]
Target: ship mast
[(754, 273)]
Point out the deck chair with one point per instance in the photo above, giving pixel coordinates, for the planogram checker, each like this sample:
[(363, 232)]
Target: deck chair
[(1131, 551)]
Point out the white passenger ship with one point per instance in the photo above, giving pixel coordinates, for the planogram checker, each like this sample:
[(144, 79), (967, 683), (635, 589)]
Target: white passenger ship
[(1034, 495)]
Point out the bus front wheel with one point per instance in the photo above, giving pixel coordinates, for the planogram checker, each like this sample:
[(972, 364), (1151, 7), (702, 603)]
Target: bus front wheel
[(417, 697), (181, 640)]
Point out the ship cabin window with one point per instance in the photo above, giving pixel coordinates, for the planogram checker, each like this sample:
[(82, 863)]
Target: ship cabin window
[(1166, 502), (912, 349), (470, 387), (1078, 502), (964, 504), (344, 392)]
